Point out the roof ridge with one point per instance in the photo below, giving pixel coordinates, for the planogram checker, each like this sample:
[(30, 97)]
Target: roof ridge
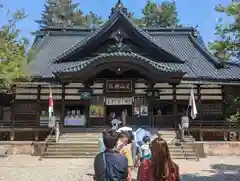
[(206, 53), (167, 33), (73, 33), (176, 29), (72, 49)]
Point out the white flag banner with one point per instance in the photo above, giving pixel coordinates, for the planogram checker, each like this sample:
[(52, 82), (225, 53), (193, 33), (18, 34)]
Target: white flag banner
[(192, 104)]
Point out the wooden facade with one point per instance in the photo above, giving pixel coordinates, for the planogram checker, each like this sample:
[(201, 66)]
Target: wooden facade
[(147, 73), (31, 100)]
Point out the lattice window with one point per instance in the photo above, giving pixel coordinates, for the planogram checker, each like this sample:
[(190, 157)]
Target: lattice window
[(140, 101), (140, 106), (212, 109)]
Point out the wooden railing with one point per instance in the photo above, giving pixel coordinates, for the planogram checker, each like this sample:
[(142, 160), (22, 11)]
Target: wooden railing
[(19, 124), (12, 127), (46, 143), (217, 124), (167, 121)]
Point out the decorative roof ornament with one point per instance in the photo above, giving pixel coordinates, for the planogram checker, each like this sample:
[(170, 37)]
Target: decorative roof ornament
[(119, 44), (120, 7)]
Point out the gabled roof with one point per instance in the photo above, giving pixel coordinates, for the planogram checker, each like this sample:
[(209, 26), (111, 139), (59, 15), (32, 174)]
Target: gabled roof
[(185, 50), (118, 19)]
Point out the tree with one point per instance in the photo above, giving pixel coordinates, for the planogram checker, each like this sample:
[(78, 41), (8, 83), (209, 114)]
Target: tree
[(61, 13), (227, 45), (13, 58), (93, 20), (160, 15)]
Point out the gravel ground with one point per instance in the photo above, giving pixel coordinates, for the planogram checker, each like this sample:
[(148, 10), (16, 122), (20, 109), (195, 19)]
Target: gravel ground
[(27, 168)]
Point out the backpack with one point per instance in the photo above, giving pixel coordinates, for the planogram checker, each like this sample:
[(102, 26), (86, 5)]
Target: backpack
[(146, 152)]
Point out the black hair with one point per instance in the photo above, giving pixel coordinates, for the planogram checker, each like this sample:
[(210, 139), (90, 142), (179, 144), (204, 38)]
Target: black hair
[(132, 137), (110, 139), (146, 139)]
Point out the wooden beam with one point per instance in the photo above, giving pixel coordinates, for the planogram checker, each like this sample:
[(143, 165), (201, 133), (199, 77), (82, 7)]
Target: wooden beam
[(38, 111), (200, 112), (175, 105), (62, 107), (13, 115), (224, 103)]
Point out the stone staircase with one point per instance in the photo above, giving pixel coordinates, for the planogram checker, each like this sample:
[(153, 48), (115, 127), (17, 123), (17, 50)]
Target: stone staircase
[(74, 145), (85, 145), (179, 151)]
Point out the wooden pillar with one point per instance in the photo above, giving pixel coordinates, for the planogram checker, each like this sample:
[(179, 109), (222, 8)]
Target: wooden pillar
[(12, 134), (61, 124), (200, 112), (175, 106), (199, 102), (224, 104), (38, 111), (86, 111), (224, 112), (150, 106)]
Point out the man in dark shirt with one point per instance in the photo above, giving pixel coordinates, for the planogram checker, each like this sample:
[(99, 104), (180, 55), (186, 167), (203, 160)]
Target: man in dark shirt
[(110, 165)]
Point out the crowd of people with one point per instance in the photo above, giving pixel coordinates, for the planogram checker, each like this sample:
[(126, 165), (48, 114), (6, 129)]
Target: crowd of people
[(120, 154)]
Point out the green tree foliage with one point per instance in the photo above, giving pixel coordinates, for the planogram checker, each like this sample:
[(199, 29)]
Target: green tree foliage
[(160, 15), (93, 20), (227, 45), (13, 58), (61, 13)]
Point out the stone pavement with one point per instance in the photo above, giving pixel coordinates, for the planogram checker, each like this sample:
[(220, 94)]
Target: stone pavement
[(27, 168)]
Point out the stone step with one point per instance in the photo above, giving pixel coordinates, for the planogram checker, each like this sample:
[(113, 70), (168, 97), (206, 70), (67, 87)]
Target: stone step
[(70, 154), (78, 139), (66, 156), (80, 135), (63, 145), (69, 144), (82, 142), (72, 151)]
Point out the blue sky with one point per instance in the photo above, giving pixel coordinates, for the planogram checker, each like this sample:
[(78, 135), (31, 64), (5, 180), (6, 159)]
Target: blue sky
[(191, 12)]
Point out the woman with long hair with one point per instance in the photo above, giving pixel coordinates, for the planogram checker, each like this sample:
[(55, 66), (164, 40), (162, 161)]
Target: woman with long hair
[(160, 167)]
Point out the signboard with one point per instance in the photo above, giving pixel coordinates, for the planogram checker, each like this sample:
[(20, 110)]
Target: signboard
[(119, 101), (96, 111), (85, 95), (118, 86)]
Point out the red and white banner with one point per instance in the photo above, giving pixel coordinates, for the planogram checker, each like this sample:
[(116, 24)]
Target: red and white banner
[(50, 103)]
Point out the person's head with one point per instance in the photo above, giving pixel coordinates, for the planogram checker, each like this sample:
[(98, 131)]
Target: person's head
[(131, 134), (162, 162), (146, 139), (124, 137), (110, 139)]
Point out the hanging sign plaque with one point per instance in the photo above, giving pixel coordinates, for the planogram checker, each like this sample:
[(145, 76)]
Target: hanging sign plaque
[(118, 86), (119, 101)]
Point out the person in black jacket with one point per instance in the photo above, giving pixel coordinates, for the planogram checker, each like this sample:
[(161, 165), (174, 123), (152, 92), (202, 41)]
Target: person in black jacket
[(110, 165)]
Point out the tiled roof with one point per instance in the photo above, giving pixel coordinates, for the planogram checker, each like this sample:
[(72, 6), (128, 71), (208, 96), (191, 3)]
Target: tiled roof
[(51, 47), (195, 60), (75, 67)]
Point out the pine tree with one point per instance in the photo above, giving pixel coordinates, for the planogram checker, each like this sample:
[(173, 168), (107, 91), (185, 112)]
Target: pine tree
[(93, 20), (48, 14), (160, 15), (61, 13)]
